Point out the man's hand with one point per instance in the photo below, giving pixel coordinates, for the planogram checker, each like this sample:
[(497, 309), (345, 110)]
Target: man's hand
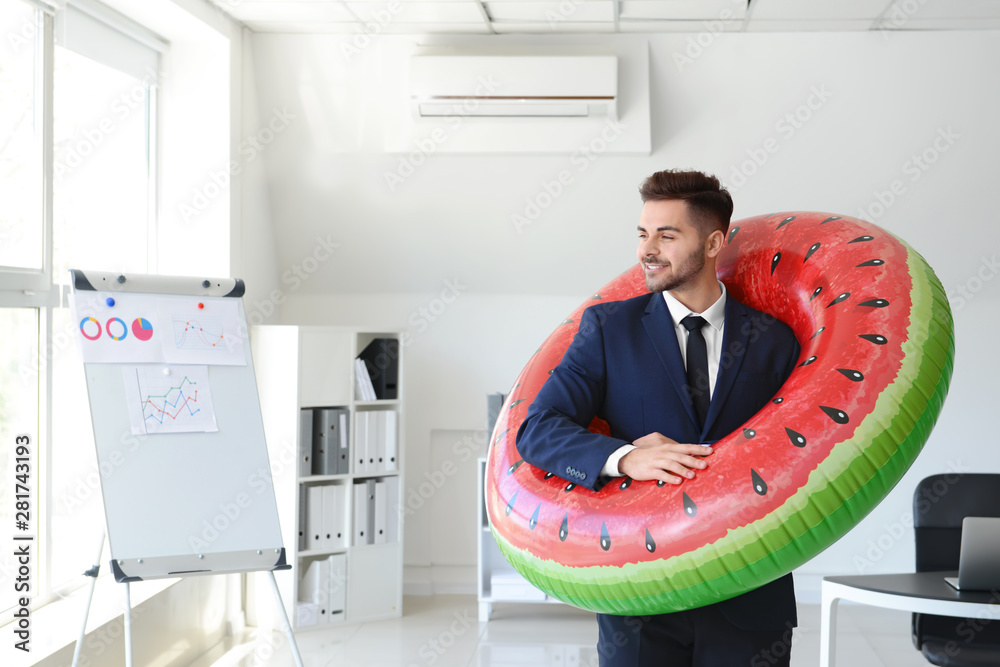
[(658, 457)]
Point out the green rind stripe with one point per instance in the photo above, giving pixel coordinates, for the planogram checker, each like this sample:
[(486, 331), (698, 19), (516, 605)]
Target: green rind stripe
[(835, 505)]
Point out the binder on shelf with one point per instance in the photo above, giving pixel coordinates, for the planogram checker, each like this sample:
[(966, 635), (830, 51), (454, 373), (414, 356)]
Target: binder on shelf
[(360, 530), (343, 466), (363, 382), (334, 529), (314, 588), (314, 517), (303, 517), (376, 452), (337, 594), (391, 464), (381, 358), (361, 425), (380, 512), (319, 443), (330, 428), (370, 499), (305, 442), (306, 614), (392, 508)]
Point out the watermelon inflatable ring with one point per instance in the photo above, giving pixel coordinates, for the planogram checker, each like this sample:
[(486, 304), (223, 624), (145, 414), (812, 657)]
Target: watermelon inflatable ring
[(877, 352)]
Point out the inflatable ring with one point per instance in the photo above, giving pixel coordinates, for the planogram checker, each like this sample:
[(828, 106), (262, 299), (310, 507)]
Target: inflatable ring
[(877, 352)]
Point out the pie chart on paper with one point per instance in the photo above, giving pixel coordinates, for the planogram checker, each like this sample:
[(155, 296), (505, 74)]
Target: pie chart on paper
[(142, 329)]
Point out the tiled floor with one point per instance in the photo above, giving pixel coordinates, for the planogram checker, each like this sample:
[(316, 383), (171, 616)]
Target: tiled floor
[(443, 631)]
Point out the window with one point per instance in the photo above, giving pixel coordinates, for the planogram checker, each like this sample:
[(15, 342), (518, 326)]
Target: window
[(21, 222), (78, 86)]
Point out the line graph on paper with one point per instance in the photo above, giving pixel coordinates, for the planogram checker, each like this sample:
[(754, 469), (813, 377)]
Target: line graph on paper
[(169, 399), (203, 334)]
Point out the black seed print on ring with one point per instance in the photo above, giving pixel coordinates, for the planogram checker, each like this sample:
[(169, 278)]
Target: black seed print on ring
[(816, 293), (839, 299), (564, 528), (784, 222), (605, 538), (549, 474), (650, 544), (830, 219), (797, 438), (514, 466), (872, 262), (625, 484), (807, 361), (778, 400), (836, 415), (875, 303), (861, 239), (732, 233), (689, 507), (774, 261), (818, 332), (569, 487), (851, 374), (510, 504), (749, 433), (874, 338), (534, 518), (813, 248), (759, 485)]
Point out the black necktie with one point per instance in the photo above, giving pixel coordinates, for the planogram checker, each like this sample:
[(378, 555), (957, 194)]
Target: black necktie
[(697, 366)]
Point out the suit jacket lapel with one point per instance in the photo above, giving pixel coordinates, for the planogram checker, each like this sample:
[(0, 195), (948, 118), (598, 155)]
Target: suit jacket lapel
[(660, 328), (734, 349)]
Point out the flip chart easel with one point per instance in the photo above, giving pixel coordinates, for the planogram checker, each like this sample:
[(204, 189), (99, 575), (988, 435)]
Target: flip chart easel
[(177, 427)]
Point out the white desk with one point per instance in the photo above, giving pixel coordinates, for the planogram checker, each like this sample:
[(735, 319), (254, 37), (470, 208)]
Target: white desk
[(922, 592)]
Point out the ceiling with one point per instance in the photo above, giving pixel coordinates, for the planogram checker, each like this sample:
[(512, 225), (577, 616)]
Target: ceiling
[(608, 16)]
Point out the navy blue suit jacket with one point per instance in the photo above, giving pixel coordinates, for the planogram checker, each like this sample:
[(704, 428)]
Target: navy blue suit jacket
[(625, 366)]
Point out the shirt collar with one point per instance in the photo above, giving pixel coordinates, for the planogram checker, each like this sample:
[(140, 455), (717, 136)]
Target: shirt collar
[(715, 314)]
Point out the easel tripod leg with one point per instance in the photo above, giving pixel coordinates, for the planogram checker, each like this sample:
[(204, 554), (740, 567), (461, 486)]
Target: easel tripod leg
[(92, 573), (284, 620), (128, 627)]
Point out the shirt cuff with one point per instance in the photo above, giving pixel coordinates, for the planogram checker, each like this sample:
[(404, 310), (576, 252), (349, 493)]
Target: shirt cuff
[(610, 468)]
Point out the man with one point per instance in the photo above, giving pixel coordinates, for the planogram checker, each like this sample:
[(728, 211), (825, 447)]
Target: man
[(668, 395)]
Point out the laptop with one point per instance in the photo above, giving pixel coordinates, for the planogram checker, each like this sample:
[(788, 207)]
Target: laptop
[(979, 558)]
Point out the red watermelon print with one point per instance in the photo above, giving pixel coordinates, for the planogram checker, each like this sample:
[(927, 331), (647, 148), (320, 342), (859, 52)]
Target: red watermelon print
[(877, 351)]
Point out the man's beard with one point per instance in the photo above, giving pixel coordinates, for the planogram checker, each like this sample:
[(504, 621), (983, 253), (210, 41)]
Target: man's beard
[(692, 266)]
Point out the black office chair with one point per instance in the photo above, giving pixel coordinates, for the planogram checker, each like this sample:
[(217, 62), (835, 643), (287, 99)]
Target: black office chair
[(940, 502)]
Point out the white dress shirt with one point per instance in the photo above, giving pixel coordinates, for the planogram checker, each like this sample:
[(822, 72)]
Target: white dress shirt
[(715, 315)]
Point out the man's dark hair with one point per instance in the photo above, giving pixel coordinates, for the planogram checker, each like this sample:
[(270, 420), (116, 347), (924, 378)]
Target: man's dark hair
[(709, 202)]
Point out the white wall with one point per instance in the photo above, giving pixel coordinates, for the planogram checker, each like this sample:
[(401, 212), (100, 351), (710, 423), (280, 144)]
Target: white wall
[(876, 101)]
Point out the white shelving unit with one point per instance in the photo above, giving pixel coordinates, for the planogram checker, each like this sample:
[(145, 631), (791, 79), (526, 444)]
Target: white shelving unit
[(497, 580), (312, 367)]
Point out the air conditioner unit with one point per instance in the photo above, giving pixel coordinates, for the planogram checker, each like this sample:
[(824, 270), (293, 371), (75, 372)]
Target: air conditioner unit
[(554, 86)]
